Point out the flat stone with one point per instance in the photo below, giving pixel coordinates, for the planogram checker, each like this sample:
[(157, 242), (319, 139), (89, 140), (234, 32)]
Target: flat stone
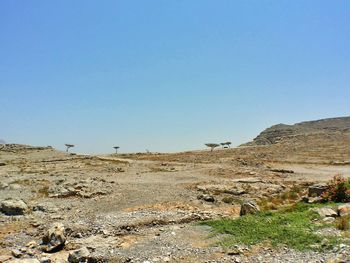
[(326, 212)]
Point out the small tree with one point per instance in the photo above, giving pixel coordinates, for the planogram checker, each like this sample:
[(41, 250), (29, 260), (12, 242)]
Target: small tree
[(68, 146), (116, 149), (228, 144), (223, 144), (212, 146)]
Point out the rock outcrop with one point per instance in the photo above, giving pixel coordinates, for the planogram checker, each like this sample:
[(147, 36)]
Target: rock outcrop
[(280, 132)]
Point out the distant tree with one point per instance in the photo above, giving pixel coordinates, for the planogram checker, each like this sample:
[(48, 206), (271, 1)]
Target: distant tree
[(68, 146), (116, 148), (228, 144), (223, 144), (212, 146)]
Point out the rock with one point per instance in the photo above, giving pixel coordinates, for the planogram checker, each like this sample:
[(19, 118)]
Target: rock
[(234, 252), (24, 260), (31, 244), (282, 171), (79, 255), (16, 253), (54, 239), (3, 185), (15, 187), (326, 212), (45, 260), (328, 220), (252, 180), (61, 192), (344, 210), (4, 258), (206, 197), (311, 200), (317, 189), (249, 207), (46, 207), (13, 207)]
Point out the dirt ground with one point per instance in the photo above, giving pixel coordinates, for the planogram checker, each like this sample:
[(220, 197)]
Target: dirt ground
[(142, 208)]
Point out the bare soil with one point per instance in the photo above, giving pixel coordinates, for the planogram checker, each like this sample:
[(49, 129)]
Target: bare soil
[(145, 207)]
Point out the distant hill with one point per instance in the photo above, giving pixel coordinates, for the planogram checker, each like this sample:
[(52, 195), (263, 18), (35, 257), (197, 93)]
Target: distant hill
[(283, 132)]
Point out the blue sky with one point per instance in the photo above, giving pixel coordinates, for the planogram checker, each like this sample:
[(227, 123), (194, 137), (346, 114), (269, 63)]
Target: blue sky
[(168, 75)]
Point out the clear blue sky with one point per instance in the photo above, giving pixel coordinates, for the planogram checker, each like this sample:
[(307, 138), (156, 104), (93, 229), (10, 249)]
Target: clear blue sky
[(168, 75)]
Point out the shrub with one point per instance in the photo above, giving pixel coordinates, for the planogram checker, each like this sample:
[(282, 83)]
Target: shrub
[(343, 223), (338, 190), (228, 199)]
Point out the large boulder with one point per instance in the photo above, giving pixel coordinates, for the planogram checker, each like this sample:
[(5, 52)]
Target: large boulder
[(317, 189), (249, 207), (54, 239), (344, 210), (79, 255), (13, 207)]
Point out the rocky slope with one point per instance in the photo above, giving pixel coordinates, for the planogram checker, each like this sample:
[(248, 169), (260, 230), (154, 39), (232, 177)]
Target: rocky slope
[(282, 132)]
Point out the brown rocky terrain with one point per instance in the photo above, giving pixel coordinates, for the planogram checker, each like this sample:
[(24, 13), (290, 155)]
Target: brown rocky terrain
[(145, 207)]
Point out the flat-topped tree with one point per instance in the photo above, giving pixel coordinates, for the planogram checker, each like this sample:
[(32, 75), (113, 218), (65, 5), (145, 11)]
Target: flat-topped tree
[(212, 146), (228, 144), (223, 144), (68, 146), (116, 148)]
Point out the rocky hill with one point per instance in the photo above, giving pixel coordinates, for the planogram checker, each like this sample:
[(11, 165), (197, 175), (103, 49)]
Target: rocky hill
[(283, 132)]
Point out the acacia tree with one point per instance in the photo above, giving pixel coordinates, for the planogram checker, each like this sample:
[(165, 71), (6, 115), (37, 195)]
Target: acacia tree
[(68, 146), (223, 144), (212, 146), (228, 144), (116, 148)]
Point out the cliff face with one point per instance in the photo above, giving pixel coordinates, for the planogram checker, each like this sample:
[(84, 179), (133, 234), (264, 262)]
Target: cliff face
[(283, 132)]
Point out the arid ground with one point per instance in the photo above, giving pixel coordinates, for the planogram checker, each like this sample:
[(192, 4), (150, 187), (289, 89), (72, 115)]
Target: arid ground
[(147, 207)]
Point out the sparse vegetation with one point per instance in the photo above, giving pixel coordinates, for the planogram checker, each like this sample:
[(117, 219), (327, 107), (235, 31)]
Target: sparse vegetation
[(228, 199), (338, 190), (284, 198), (293, 227), (343, 223)]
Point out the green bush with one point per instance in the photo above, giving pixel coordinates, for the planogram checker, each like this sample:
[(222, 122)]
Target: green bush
[(338, 190)]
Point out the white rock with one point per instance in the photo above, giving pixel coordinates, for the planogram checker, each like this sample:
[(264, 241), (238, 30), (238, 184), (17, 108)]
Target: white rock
[(13, 207), (54, 239), (326, 212), (79, 255)]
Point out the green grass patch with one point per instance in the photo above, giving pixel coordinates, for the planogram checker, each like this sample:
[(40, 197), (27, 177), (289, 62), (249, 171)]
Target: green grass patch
[(293, 226)]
